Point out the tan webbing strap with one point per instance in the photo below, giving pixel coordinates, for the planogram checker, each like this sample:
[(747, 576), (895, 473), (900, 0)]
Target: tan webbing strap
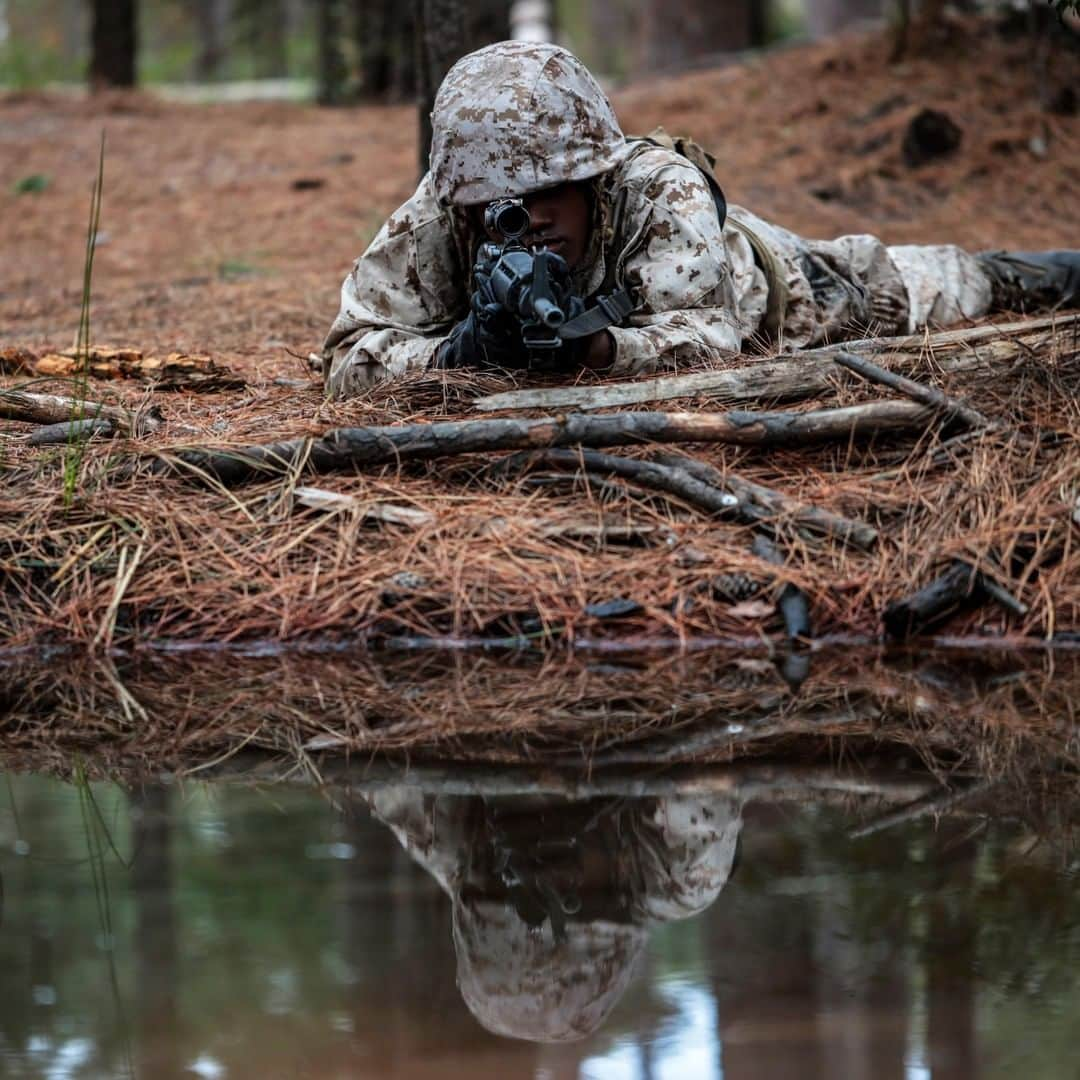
[(771, 267)]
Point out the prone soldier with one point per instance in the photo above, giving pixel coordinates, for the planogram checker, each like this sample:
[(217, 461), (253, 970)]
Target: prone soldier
[(637, 260)]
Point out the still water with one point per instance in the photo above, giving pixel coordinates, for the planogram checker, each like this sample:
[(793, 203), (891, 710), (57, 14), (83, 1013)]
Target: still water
[(216, 930)]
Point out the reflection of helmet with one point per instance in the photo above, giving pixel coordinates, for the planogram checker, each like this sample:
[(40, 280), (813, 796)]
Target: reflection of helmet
[(522, 983), (687, 846), (517, 117)]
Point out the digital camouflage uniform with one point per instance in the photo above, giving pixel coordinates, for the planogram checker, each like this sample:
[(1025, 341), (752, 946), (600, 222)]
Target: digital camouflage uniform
[(518, 117), (660, 859)]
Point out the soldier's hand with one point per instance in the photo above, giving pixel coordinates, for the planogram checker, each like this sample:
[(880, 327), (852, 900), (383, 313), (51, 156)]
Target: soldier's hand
[(487, 337)]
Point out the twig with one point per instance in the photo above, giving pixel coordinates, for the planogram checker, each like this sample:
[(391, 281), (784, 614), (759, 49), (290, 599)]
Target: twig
[(925, 395), (936, 804)]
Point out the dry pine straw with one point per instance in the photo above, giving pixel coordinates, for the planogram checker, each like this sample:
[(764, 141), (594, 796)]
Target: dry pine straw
[(139, 559)]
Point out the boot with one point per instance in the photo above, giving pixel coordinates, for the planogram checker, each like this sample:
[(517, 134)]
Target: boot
[(1030, 280)]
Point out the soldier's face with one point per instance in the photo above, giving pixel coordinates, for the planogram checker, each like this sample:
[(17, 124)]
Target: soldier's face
[(561, 218)]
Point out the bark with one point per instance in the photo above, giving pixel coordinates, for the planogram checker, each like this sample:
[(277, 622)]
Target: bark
[(113, 44), (272, 57), (53, 409), (676, 34), (806, 376), (382, 31), (825, 17), (263, 26), (350, 447)]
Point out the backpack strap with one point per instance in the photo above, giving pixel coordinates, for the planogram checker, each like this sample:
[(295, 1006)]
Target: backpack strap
[(779, 294)]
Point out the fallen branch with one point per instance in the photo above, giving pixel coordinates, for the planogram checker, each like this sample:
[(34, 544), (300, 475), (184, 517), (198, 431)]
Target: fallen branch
[(54, 409), (765, 503), (351, 447), (793, 603), (802, 376), (957, 588), (961, 586), (933, 803), (71, 431), (704, 487), (925, 395)]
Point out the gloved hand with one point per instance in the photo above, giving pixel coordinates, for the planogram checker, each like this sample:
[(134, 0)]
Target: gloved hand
[(487, 337)]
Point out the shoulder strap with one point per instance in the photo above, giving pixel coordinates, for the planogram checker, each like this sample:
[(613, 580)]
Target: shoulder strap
[(779, 293), (608, 311)]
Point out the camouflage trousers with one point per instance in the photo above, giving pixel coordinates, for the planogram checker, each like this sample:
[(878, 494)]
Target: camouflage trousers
[(802, 292)]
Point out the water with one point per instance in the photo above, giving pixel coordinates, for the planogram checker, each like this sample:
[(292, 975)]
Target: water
[(216, 930)]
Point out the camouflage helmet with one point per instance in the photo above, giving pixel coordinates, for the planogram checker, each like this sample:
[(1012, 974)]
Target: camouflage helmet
[(516, 117), (526, 983)]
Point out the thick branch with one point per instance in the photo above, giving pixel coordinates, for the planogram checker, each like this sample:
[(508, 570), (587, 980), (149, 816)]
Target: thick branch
[(351, 447), (765, 503), (957, 588), (710, 490), (808, 374), (54, 409)]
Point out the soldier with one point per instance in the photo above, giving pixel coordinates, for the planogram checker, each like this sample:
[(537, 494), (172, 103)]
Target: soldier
[(553, 899), (654, 269)]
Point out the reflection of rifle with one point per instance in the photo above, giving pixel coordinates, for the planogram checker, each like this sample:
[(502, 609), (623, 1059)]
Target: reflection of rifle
[(532, 286)]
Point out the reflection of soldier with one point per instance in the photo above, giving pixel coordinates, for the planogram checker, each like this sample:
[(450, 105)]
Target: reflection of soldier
[(551, 899)]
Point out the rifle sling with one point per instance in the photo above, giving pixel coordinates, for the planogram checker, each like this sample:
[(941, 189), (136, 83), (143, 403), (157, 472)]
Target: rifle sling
[(608, 311)]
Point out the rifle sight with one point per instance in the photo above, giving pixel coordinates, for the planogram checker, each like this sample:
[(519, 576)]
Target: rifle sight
[(507, 218)]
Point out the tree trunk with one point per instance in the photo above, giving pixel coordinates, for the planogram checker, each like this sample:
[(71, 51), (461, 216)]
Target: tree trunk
[(332, 71), (677, 33), (272, 58), (441, 39), (262, 30), (212, 19), (825, 17), (113, 43)]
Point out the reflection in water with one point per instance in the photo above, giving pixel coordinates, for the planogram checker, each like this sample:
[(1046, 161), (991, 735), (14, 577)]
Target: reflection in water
[(264, 933), (551, 900)]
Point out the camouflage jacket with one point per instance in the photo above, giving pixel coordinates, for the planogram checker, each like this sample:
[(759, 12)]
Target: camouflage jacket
[(656, 229)]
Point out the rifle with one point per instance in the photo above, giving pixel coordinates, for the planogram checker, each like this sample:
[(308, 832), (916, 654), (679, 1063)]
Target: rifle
[(533, 286)]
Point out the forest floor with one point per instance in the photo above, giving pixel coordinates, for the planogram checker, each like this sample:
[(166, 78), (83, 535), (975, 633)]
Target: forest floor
[(226, 231)]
